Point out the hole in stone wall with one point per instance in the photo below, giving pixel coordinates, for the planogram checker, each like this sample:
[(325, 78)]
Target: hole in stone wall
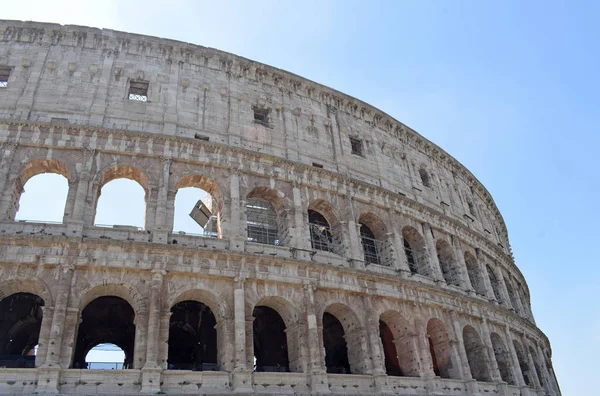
[(44, 198), (270, 340), (195, 212), (336, 350), (105, 357), (20, 323), (122, 202)]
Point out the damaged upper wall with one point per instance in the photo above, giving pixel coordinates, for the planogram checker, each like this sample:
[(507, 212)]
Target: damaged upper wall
[(82, 76)]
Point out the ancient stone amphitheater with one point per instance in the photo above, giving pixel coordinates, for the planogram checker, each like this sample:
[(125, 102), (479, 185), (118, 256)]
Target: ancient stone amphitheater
[(342, 252)]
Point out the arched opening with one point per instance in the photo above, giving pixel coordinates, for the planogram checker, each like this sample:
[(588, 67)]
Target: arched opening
[(20, 323), (474, 274), (495, 284), (448, 265), (121, 200), (336, 349), (105, 357), (375, 241), (392, 365), (476, 355), (511, 294), (321, 237), (536, 365), (198, 207), (43, 199), (192, 337), (370, 245), (523, 364), (261, 222), (424, 177), (440, 349), (401, 360), (270, 340), (415, 251), (105, 320), (502, 358)]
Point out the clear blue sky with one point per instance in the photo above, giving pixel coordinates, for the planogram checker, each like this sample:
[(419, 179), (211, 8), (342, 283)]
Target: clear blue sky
[(509, 88)]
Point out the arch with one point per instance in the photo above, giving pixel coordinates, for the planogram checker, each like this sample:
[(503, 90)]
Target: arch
[(448, 265), (440, 349), (400, 350), (122, 172), (105, 320), (131, 295), (495, 283), (262, 223), (208, 298), (424, 176), (375, 241), (31, 286), (502, 356), (325, 232), (20, 324), (270, 340), (212, 209), (30, 170), (415, 250), (476, 355), (523, 363), (192, 337), (343, 340), (474, 274)]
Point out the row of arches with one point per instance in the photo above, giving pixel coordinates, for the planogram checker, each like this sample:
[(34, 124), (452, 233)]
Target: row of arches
[(267, 221), (193, 340)]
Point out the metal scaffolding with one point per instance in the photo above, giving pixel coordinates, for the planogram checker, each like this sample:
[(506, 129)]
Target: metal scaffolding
[(262, 222)]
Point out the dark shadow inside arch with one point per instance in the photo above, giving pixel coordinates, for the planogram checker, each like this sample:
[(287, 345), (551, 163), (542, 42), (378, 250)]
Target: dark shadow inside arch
[(192, 337), (270, 340), (336, 349), (105, 320), (392, 365), (20, 323), (440, 349)]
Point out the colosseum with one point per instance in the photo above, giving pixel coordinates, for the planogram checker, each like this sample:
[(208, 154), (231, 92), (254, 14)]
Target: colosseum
[(341, 252)]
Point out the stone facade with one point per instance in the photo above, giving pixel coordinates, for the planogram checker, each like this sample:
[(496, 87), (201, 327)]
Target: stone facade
[(445, 283)]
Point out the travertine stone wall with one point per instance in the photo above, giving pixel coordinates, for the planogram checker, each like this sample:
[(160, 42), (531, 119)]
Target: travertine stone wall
[(65, 110)]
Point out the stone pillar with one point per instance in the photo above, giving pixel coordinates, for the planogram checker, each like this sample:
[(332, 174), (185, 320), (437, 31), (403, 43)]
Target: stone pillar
[(83, 182), (489, 292), (139, 346), (534, 375), (171, 195), (301, 230), (44, 337), (487, 341), (545, 371), (316, 354), (6, 192), (70, 202), (462, 352), (465, 282), (401, 264), (225, 344), (297, 354), (377, 357), (235, 230), (151, 204), (515, 366), (434, 261), (503, 289), (152, 369), (242, 374), (161, 230), (163, 339), (422, 345), (49, 372), (70, 331)]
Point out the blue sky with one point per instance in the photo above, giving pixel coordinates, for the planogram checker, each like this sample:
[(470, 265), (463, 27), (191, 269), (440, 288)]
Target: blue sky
[(508, 88)]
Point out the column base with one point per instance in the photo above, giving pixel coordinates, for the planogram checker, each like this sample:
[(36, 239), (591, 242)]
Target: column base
[(75, 228), (237, 244), (319, 383), (48, 380), (381, 384), (472, 387), (151, 380), (241, 381)]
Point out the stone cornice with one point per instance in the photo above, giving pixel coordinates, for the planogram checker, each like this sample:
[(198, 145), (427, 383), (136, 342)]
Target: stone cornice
[(111, 43)]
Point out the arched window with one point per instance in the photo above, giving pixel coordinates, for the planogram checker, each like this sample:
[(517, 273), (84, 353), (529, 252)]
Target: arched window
[(448, 265), (523, 364), (415, 251), (270, 340), (476, 355), (262, 222), (440, 350), (192, 337), (392, 365), (503, 359), (197, 207), (121, 202), (20, 323), (424, 177), (44, 198), (105, 320), (321, 237), (336, 349), (370, 245), (495, 284), (511, 293), (398, 347), (474, 274)]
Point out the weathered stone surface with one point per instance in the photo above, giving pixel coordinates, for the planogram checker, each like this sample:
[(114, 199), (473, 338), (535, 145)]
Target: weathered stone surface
[(238, 129)]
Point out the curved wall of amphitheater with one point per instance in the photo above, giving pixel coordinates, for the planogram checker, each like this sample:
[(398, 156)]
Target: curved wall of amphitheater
[(429, 299)]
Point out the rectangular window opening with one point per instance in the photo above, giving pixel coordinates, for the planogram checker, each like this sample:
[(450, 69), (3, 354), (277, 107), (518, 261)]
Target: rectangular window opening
[(4, 74), (261, 116), (357, 146), (316, 165), (138, 90), (200, 137)]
